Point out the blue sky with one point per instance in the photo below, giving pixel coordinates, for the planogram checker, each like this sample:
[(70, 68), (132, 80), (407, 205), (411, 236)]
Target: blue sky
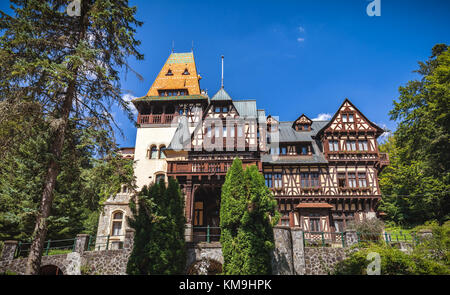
[(293, 57)]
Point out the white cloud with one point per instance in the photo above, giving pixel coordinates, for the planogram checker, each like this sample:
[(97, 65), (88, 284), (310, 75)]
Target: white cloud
[(301, 29), (300, 40), (383, 137), (323, 117), (128, 98)]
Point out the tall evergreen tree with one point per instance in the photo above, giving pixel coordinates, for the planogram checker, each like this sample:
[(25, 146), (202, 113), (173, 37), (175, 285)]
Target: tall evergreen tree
[(70, 65), (247, 216), (159, 222)]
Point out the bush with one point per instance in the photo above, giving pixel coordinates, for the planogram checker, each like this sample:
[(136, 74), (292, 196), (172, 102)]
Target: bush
[(430, 257), (368, 229), (393, 262)]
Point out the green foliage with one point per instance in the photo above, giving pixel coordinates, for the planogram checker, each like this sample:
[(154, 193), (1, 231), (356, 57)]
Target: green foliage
[(159, 222), (367, 229), (393, 261), (416, 185), (82, 184), (247, 215), (430, 257), (70, 67)]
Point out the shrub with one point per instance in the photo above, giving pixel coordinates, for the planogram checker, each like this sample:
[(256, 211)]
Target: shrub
[(393, 261), (368, 229)]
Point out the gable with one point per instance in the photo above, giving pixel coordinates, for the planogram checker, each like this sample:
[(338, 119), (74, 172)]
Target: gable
[(349, 119)]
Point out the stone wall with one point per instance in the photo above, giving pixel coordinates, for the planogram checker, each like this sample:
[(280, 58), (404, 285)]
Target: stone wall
[(289, 257), (322, 260), (105, 262)]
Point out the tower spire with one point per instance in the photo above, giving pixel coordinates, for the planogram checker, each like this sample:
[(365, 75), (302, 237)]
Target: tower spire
[(222, 70)]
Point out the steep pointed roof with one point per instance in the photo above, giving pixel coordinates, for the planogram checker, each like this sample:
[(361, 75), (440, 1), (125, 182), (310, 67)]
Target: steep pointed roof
[(179, 72), (182, 136), (221, 95)]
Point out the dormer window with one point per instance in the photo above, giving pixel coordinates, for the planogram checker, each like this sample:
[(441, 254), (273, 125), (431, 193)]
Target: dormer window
[(186, 72), (303, 123), (169, 73)]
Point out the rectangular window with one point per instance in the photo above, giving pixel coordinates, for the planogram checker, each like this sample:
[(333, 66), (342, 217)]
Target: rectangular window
[(217, 110), (315, 180), (117, 228), (304, 150), (342, 182), (283, 150), (350, 118), (225, 110), (217, 132), (362, 145), (344, 118), (278, 182), (304, 179), (240, 131), (351, 145), (362, 180), (352, 180), (208, 132), (198, 214), (232, 130), (334, 145), (314, 224), (224, 132), (268, 177)]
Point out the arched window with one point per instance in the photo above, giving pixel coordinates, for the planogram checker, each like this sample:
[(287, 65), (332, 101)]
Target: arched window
[(161, 152), (117, 221), (160, 177), (153, 154)]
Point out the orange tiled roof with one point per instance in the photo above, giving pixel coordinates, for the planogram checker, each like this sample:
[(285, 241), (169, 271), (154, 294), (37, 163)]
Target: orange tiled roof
[(177, 63)]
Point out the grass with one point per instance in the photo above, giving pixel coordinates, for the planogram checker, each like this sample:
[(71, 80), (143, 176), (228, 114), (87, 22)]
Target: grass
[(58, 252)]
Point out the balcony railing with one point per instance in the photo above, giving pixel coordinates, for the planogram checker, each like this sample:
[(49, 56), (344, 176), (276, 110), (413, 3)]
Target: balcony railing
[(156, 119), (205, 166), (384, 160)]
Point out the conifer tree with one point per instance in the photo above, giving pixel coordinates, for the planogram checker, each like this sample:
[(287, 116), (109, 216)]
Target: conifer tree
[(247, 217), (159, 222), (70, 65)]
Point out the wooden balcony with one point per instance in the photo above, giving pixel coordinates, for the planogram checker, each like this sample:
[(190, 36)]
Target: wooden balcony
[(353, 156), (384, 160), (206, 167), (156, 119)]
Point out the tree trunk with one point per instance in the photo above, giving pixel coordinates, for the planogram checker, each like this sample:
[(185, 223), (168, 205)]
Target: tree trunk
[(40, 230)]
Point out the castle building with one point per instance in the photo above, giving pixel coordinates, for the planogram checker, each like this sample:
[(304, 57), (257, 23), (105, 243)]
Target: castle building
[(322, 173)]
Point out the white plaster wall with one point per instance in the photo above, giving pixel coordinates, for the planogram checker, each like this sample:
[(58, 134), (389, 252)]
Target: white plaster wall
[(145, 138), (144, 167)]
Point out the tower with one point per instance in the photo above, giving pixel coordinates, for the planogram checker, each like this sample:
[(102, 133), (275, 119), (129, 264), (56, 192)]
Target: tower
[(175, 93)]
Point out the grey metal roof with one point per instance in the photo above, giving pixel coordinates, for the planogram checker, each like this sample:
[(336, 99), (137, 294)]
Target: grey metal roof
[(246, 108), (316, 158), (289, 134), (182, 136), (221, 95)]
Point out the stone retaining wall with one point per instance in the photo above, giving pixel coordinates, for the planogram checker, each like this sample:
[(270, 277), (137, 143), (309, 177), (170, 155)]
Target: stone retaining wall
[(289, 257), (322, 260)]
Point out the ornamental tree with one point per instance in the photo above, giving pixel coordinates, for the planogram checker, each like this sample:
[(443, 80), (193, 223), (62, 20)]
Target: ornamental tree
[(159, 244), (247, 216)]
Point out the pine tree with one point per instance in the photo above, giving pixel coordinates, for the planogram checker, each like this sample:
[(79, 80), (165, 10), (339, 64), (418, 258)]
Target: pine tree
[(159, 246), (70, 65), (248, 214)]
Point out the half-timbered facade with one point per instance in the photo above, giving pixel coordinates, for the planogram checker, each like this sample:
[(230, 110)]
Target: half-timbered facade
[(322, 173)]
